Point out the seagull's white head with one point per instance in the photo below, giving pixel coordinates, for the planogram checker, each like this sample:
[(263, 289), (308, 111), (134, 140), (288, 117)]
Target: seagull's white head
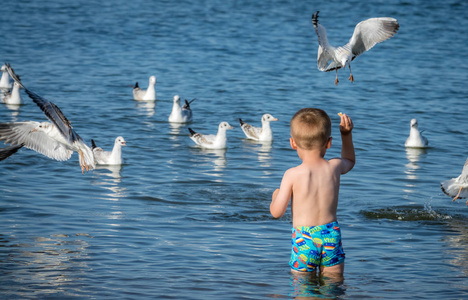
[(3, 68), (268, 118), (176, 99), (152, 80), (344, 62), (225, 126), (120, 140), (43, 126), (414, 123)]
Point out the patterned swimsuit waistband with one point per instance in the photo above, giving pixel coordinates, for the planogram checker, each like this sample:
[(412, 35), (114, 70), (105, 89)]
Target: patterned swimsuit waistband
[(317, 228)]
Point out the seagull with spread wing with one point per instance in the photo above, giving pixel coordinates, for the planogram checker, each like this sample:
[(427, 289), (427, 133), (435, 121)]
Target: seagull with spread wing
[(56, 140), (457, 187), (366, 35)]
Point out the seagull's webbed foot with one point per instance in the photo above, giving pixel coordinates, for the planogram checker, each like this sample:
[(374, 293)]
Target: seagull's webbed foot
[(351, 77), (336, 81), (83, 162), (336, 77)]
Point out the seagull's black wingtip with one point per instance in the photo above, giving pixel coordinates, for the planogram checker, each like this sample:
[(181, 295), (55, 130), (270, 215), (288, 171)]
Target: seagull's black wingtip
[(241, 122), (315, 18), (191, 131), (93, 144)]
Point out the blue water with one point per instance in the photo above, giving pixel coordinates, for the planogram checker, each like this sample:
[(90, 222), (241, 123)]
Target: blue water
[(178, 222)]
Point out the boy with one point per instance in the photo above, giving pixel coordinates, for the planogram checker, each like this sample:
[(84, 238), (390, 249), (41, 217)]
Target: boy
[(313, 190)]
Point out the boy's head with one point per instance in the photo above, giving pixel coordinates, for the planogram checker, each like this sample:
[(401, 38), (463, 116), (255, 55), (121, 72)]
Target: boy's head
[(311, 128)]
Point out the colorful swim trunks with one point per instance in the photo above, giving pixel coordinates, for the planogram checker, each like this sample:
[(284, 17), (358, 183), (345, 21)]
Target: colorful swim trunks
[(316, 246)]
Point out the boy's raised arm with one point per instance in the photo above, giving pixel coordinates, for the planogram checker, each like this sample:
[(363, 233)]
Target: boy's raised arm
[(347, 147), (280, 198)]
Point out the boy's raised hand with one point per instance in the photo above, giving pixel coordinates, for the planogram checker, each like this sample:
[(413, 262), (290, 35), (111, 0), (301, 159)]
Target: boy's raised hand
[(346, 125)]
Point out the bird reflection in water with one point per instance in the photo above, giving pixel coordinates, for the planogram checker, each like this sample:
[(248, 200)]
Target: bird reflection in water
[(413, 155), (147, 107), (218, 157), (108, 177)]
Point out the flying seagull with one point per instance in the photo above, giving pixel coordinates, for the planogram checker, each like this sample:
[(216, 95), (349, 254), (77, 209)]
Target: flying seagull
[(366, 34), (457, 187), (56, 140)]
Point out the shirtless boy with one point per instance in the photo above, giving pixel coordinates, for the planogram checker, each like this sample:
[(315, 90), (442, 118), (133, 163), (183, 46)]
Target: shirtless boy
[(313, 189)]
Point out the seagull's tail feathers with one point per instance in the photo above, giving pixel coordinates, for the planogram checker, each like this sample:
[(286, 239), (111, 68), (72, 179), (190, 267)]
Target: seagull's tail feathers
[(93, 145), (192, 132)]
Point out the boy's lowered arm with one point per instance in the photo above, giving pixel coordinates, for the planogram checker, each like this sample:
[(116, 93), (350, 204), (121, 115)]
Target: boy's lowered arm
[(280, 198)]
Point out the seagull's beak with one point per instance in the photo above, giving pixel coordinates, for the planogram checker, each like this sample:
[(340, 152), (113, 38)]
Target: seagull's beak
[(275, 119), (230, 127), (124, 143)]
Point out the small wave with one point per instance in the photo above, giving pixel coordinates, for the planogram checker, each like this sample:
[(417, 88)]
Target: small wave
[(406, 213)]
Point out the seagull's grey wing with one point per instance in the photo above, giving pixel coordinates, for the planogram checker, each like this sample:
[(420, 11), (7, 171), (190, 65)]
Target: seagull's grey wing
[(251, 131), (203, 139), (22, 133), (9, 151), (370, 32), (465, 168), (52, 112), (326, 52)]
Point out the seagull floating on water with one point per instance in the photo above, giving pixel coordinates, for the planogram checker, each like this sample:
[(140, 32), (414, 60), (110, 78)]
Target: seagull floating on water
[(366, 35), (13, 96), (56, 140), (415, 138), (457, 187), (262, 134), (5, 82), (113, 157), (181, 114), (9, 151), (211, 141), (145, 95)]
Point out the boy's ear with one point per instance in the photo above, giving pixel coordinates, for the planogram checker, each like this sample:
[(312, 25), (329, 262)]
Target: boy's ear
[(329, 142), (293, 144)]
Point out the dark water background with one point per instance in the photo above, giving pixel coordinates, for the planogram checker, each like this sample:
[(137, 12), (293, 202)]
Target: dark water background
[(177, 222)]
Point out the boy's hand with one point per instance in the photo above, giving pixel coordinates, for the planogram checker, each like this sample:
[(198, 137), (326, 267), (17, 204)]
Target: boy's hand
[(346, 125)]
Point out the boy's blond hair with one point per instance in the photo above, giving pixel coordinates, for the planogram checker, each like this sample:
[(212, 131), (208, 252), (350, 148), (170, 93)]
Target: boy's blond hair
[(310, 128)]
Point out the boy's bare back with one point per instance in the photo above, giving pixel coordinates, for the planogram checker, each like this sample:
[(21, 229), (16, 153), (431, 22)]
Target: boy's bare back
[(315, 192)]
